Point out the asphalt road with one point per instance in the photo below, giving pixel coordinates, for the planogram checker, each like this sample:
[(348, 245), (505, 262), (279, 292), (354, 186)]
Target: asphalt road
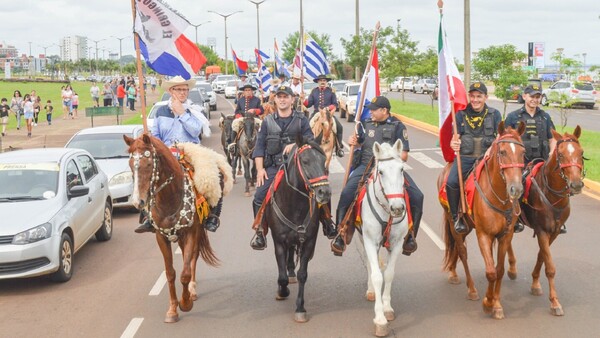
[(116, 290)]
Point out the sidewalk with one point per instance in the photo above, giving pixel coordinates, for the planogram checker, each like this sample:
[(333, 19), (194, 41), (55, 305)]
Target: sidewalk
[(61, 130)]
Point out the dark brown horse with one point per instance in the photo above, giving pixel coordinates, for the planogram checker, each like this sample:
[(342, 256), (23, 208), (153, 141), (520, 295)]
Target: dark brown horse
[(493, 214), (165, 189), (547, 207)]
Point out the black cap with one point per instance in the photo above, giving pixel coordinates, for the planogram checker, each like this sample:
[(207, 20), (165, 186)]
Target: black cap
[(478, 86), (286, 90), (533, 90), (248, 86), (379, 102), (322, 77)]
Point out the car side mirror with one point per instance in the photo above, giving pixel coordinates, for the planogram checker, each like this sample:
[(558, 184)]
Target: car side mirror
[(344, 94), (206, 100), (78, 191)]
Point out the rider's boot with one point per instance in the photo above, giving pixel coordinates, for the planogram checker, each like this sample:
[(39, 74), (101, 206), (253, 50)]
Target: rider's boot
[(145, 225), (453, 200), (338, 245), (519, 226), (563, 229), (213, 221), (259, 242), (410, 241), (338, 135)]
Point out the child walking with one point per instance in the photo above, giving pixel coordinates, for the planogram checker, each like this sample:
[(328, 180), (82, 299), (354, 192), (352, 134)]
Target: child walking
[(49, 110)]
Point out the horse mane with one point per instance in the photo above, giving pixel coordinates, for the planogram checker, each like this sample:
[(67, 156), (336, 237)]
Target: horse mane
[(315, 145)]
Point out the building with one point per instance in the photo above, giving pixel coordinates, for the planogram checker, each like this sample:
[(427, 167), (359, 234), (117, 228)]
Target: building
[(73, 48), (7, 51)]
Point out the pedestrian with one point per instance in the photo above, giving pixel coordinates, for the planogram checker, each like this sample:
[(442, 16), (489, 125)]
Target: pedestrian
[(131, 94), (538, 139), (113, 88), (16, 105), (49, 109), (381, 127), (75, 104), (107, 93), (121, 93), (153, 83), (4, 109), (37, 107), (67, 95), (477, 127), (95, 92), (28, 113)]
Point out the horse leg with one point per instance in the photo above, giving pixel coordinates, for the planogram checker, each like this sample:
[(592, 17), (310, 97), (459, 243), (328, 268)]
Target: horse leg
[(254, 173), (544, 243), (485, 246), (193, 264), (512, 263), (291, 265), (388, 277), (282, 281), (187, 251), (503, 246), (536, 287), (247, 175), (472, 293), (371, 249), (165, 248), (307, 253), (370, 294)]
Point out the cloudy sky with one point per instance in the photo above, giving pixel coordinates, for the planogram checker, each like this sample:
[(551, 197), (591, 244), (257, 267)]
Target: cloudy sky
[(573, 25)]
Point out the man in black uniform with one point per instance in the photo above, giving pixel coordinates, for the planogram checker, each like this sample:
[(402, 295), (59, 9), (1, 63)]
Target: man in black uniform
[(477, 128), (276, 138), (538, 139), (323, 97), (381, 127)]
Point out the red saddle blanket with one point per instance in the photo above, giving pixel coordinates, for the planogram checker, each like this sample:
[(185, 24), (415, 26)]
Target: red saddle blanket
[(274, 186), (529, 178), (361, 195), (469, 186)]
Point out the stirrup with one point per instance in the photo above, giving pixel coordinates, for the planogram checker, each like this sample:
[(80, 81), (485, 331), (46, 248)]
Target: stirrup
[(255, 242)]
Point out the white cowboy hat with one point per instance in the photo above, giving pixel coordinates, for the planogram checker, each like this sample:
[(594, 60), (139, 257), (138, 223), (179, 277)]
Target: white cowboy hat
[(295, 76), (177, 80), (275, 81)]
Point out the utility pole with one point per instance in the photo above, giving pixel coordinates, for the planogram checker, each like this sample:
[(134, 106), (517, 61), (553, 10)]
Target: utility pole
[(225, 19), (196, 27), (467, 24), (96, 42), (357, 32), (584, 55), (120, 51), (257, 21)]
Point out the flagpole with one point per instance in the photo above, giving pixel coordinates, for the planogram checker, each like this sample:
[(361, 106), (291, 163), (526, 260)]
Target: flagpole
[(139, 71), (301, 42), (361, 101)]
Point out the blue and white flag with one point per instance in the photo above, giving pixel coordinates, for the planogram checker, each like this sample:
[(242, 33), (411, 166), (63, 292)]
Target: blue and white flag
[(315, 61), (372, 90), (281, 67), (263, 78)]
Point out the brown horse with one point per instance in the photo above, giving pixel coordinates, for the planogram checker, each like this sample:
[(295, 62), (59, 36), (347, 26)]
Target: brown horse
[(322, 125), (493, 214), (547, 206), (163, 187)]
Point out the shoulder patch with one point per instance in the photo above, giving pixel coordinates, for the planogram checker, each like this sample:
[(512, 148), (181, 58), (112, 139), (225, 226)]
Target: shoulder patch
[(405, 134)]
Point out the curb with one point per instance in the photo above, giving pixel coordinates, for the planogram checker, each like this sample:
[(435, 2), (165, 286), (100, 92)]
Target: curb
[(589, 184)]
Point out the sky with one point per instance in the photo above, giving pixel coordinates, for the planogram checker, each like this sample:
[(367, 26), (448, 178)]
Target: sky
[(573, 25)]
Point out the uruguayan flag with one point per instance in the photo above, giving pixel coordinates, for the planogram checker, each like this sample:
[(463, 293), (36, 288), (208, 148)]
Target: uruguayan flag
[(315, 61)]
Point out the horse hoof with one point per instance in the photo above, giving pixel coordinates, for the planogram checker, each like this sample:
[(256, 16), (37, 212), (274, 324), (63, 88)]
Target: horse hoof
[(498, 313), (381, 330), (292, 280), (186, 306), (537, 291), (300, 317), (247, 194), (172, 319), (472, 295), (239, 173), (512, 275), (487, 310), (453, 280), (370, 296), (389, 315), (557, 311)]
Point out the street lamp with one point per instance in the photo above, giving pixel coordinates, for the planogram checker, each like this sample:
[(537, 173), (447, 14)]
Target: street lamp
[(196, 27), (225, 19), (120, 51), (96, 42), (257, 20), (584, 55)]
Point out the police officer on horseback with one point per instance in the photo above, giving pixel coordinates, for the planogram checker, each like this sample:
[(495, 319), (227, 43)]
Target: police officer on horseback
[(381, 127), (275, 139), (538, 139), (477, 127), (321, 97)]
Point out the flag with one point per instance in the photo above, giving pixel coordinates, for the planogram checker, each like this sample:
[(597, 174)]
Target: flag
[(297, 66), (241, 65), (162, 43), (315, 61), (371, 89), (451, 90), (263, 77), (280, 65)]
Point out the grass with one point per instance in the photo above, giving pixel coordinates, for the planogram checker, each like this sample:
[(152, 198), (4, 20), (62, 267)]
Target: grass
[(590, 140)]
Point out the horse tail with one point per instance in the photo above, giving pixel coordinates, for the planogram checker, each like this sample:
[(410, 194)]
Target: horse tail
[(205, 250), (451, 253)]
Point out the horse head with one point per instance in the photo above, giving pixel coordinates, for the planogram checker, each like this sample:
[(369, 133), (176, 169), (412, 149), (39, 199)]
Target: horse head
[(508, 153), (388, 177), (568, 155), (250, 128), (308, 162), (225, 123)]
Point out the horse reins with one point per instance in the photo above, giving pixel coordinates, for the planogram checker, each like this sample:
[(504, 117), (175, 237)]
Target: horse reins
[(376, 178)]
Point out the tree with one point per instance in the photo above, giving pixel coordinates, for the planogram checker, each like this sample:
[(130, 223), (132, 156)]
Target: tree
[(398, 53), (490, 61), (566, 65), (291, 43), (211, 57), (426, 64), (504, 82), (358, 47)]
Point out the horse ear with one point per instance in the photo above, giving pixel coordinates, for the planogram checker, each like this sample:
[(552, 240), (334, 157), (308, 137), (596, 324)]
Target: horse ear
[(521, 128), (146, 139), (398, 146), (501, 128), (556, 135), (376, 149), (299, 140), (128, 140), (577, 131), (222, 116)]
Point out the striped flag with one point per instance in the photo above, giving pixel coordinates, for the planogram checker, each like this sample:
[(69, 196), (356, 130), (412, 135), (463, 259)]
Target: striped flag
[(297, 66), (372, 88), (280, 65), (241, 65), (162, 43), (451, 91), (264, 76), (315, 61)]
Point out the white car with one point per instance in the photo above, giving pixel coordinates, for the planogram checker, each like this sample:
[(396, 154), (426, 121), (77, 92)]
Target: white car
[(220, 81), (348, 99), (580, 93), (205, 86), (424, 86), (52, 201), (107, 147), (338, 87), (401, 83), (231, 89)]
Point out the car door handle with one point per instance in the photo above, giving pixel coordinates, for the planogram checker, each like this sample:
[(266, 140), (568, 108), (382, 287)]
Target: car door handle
[(89, 199)]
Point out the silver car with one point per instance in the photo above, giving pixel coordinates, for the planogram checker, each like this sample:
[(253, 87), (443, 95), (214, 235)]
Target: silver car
[(205, 86), (52, 201), (580, 93), (110, 152)]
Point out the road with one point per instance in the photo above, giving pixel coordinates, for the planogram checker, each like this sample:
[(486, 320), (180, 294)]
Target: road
[(588, 119), (116, 290)]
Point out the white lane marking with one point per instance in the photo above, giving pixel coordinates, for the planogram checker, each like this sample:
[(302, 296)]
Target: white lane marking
[(440, 153), (434, 237), (132, 328), (426, 160), (160, 283)]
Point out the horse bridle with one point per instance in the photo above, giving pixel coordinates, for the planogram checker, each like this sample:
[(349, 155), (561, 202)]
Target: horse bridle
[(561, 166), (385, 206)]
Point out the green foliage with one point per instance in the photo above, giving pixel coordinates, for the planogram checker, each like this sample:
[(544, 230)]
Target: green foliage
[(357, 48), (491, 60), (290, 44), (211, 56), (426, 64), (398, 53), (504, 82)]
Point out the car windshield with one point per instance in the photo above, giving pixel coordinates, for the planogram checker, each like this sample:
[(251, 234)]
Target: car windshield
[(193, 96), (584, 86), (430, 81), (28, 181), (353, 90), (339, 86), (225, 78), (204, 86), (232, 84), (101, 146), (308, 86)]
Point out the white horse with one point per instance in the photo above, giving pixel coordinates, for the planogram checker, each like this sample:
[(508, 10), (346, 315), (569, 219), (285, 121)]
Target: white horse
[(383, 206)]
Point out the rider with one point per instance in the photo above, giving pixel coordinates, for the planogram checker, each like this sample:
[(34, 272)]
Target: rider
[(477, 127), (275, 140), (246, 104), (538, 139), (175, 123), (381, 127), (240, 85), (321, 97)]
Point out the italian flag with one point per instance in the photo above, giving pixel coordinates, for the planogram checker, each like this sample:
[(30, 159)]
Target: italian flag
[(452, 93)]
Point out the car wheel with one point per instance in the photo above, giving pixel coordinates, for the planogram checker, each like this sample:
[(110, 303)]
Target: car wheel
[(342, 113), (105, 232), (590, 106), (65, 258), (213, 107), (350, 118), (520, 99), (544, 100)]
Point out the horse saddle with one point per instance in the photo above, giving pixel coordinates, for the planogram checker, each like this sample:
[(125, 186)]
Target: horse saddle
[(469, 186), (529, 174)]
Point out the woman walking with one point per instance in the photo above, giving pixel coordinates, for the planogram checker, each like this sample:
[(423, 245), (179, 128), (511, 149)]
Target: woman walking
[(16, 105), (67, 95), (108, 95), (28, 112), (131, 94)]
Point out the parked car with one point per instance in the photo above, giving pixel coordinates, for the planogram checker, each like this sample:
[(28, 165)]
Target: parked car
[(220, 81), (205, 86), (401, 83), (581, 93), (338, 87), (308, 86), (424, 86), (107, 147), (197, 98), (52, 201), (348, 99), (517, 91), (231, 89)]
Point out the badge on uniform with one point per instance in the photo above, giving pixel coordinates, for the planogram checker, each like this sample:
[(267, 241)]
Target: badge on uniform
[(405, 134), (371, 133)]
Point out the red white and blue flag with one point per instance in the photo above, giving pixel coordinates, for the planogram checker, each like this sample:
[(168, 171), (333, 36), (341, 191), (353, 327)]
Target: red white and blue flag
[(371, 90), (451, 92), (241, 65), (162, 43), (264, 76)]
